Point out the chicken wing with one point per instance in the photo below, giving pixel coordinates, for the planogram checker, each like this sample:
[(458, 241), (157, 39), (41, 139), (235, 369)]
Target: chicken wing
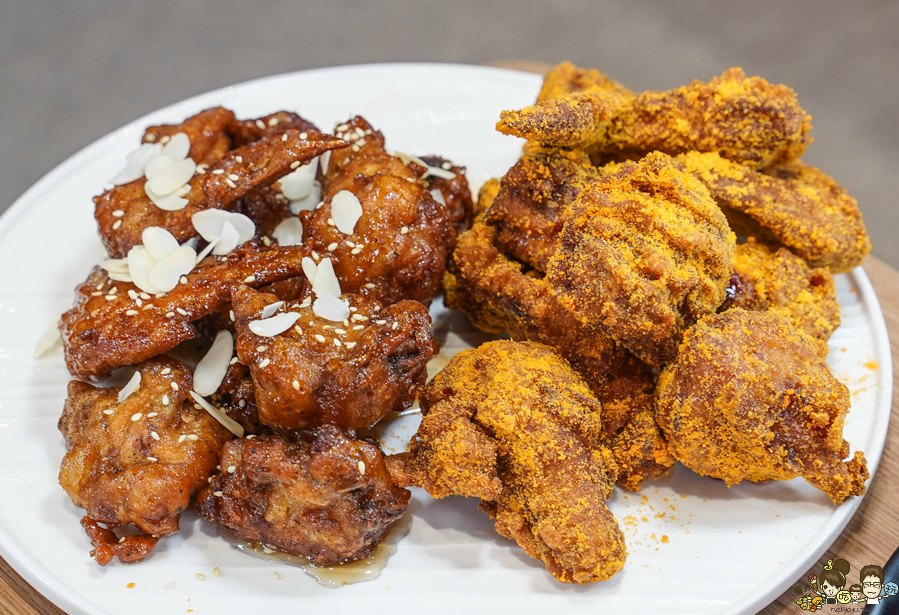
[(750, 398), (137, 461), (330, 500)]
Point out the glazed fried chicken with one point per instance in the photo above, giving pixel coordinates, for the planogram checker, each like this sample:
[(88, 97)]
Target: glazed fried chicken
[(643, 254), (745, 119), (228, 175), (399, 246), (136, 461), (454, 193), (330, 500), (781, 282), (792, 204), (318, 371), (497, 294), (750, 398), (114, 324), (512, 424)]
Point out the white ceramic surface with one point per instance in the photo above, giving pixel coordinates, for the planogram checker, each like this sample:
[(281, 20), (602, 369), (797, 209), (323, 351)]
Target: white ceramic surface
[(725, 551)]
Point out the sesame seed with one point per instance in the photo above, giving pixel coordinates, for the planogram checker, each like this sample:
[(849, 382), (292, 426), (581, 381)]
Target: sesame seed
[(358, 327), (361, 466), (170, 314), (181, 439), (350, 344), (296, 385), (154, 435), (233, 361), (202, 577), (250, 279), (315, 255), (356, 251), (404, 230), (231, 315), (111, 297), (201, 169), (380, 322), (145, 296), (304, 135), (174, 386), (332, 246), (152, 414), (152, 459), (284, 137), (331, 222), (231, 183), (108, 412), (337, 342), (137, 416), (132, 295), (181, 311), (233, 176), (166, 371), (266, 241), (217, 494), (359, 317), (355, 148), (231, 469), (261, 348), (114, 290), (320, 205), (297, 329), (149, 137), (96, 294), (165, 400), (242, 403), (193, 437), (339, 331), (183, 279), (251, 436), (219, 172), (216, 571), (343, 127), (369, 286), (294, 164), (239, 159), (276, 576), (394, 326), (131, 313), (265, 363), (170, 585), (350, 244), (139, 302), (320, 337)]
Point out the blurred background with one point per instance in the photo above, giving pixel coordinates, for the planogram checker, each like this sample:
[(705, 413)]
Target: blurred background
[(73, 70)]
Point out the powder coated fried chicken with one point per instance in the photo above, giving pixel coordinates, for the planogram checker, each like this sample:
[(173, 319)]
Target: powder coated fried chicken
[(331, 500), (751, 399), (137, 461), (400, 245), (513, 424), (643, 254), (792, 204), (744, 119), (781, 282), (348, 374), (100, 334), (499, 292)]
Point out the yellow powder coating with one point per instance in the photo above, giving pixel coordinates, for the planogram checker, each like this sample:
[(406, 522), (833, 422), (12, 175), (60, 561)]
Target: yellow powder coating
[(781, 282), (793, 204), (513, 424), (872, 365), (750, 398), (643, 254), (745, 119)]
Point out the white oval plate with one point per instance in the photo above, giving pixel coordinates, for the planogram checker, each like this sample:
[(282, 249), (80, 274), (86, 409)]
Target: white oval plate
[(694, 545)]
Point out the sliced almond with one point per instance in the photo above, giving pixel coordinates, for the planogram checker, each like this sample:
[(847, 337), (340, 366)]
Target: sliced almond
[(229, 423), (331, 308), (166, 273), (171, 202), (158, 242), (139, 265), (210, 222), (120, 277), (157, 165), (438, 196), (270, 327), (308, 202), (227, 241), (172, 177), (309, 268), (289, 232), (131, 387), (209, 248), (325, 281), (271, 309), (49, 339), (298, 184), (346, 211), (212, 368), (177, 147), (115, 265), (136, 163)]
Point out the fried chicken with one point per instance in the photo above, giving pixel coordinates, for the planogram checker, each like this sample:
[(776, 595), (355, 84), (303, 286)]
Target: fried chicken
[(348, 374), (330, 500), (781, 282), (114, 324), (750, 398), (512, 423), (454, 193), (744, 119), (400, 244), (497, 291), (792, 204), (643, 254), (136, 461)]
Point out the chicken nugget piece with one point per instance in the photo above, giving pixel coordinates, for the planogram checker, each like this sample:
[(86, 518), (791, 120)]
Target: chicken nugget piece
[(792, 204), (751, 399), (348, 374), (245, 132), (330, 500), (644, 253), (137, 461), (500, 292), (744, 119), (777, 280), (453, 193), (399, 246), (114, 324), (513, 424)]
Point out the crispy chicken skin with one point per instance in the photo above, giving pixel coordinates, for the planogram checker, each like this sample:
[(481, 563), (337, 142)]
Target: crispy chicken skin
[(100, 335), (348, 374), (777, 280), (123, 212), (127, 462), (330, 500), (400, 245), (745, 119), (497, 291), (512, 423), (751, 399), (793, 204), (643, 254)]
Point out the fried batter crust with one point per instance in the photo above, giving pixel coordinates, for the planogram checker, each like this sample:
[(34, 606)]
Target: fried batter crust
[(644, 253), (98, 335), (513, 424), (330, 500), (777, 280), (119, 471), (310, 381), (751, 399), (397, 265)]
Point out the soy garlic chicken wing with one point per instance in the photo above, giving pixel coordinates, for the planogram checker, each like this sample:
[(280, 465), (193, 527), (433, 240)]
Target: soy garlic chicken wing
[(454, 192), (499, 291), (347, 373), (776, 280), (330, 500), (399, 246), (750, 398), (513, 424), (114, 324), (793, 204), (136, 461), (744, 119), (644, 253)]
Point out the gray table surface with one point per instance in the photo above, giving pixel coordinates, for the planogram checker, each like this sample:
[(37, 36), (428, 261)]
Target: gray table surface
[(72, 70)]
